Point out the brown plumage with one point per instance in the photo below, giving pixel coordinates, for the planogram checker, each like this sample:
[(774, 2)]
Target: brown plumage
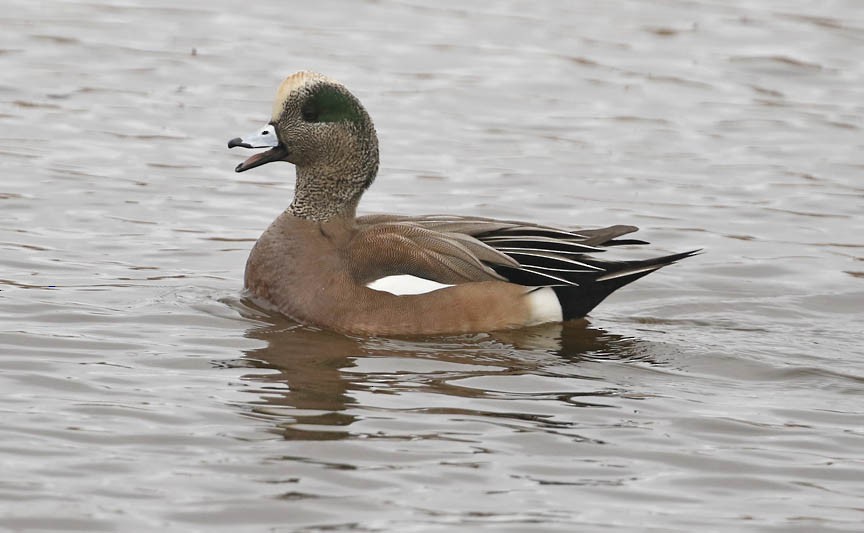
[(316, 260)]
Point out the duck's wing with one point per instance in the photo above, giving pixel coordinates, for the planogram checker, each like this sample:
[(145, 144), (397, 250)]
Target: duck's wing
[(455, 249), (385, 247), (480, 226), (520, 252)]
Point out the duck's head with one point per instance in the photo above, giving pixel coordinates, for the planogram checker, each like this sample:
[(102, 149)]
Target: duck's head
[(320, 127)]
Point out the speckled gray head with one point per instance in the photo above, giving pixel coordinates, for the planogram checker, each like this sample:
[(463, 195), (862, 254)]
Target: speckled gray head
[(320, 127)]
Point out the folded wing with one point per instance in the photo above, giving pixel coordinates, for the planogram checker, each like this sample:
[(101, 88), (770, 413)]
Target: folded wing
[(452, 249)]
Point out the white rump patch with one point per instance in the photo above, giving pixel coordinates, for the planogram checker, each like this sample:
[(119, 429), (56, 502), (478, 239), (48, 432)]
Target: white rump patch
[(403, 284), (544, 306)]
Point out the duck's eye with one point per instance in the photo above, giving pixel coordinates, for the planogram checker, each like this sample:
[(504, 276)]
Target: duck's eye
[(310, 112)]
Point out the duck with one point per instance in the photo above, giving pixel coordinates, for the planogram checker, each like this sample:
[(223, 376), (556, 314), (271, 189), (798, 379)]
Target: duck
[(322, 265)]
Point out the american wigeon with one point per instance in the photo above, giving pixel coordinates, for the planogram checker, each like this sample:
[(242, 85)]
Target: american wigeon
[(395, 275)]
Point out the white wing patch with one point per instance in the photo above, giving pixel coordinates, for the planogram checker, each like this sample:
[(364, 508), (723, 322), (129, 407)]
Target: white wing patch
[(404, 284), (544, 306)]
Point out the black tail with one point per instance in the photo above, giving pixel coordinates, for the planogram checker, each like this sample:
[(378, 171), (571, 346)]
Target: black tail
[(577, 301)]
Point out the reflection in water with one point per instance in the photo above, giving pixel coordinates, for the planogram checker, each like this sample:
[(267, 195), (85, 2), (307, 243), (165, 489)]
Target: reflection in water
[(308, 385), (318, 374)]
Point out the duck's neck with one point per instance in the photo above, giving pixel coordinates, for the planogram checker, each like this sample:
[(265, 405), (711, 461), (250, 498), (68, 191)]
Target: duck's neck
[(333, 189)]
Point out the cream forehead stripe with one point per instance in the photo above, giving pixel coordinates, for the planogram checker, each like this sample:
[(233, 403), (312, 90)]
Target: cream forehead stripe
[(292, 83)]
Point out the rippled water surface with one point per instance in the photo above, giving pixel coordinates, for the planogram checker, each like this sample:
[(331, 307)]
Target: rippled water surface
[(139, 391)]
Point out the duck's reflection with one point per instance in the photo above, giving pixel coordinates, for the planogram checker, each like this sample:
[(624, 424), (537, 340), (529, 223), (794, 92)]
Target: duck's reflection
[(314, 378), (308, 387)]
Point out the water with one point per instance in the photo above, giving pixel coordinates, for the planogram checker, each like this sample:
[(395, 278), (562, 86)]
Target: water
[(140, 392)]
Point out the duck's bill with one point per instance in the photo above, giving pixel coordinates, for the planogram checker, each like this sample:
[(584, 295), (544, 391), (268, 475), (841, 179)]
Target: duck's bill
[(278, 153), (263, 138)]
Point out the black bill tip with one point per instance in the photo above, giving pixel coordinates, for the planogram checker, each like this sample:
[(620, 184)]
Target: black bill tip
[(237, 141)]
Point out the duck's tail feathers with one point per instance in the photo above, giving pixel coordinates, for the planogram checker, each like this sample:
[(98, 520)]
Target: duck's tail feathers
[(578, 300)]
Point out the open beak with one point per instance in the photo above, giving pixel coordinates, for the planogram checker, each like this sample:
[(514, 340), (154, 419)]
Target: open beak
[(263, 138)]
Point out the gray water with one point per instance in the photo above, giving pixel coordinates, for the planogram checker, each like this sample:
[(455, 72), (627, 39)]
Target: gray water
[(139, 391)]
